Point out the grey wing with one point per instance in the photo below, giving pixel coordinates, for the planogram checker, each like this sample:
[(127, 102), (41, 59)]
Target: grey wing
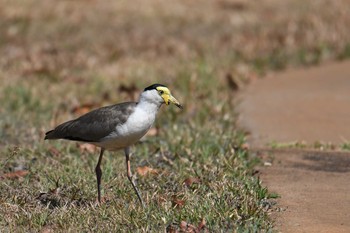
[(94, 125)]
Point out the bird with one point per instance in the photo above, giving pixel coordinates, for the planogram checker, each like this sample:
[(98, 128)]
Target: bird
[(116, 127)]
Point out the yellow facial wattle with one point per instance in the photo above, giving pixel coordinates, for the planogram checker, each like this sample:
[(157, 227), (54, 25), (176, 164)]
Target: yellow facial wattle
[(164, 92)]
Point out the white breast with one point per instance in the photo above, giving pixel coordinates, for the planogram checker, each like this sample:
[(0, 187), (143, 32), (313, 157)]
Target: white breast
[(137, 125)]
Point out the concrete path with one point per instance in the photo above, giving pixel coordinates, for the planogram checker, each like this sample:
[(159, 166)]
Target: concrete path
[(304, 105), (314, 189), (310, 105)]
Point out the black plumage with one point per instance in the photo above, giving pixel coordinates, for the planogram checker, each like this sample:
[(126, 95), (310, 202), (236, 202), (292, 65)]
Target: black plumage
[(153, 87)]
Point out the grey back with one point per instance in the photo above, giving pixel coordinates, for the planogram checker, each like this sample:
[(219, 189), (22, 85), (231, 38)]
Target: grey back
[(94, 125)]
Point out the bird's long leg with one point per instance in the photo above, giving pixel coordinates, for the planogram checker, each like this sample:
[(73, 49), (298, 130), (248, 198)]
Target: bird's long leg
[(129, 175), (99, 174)]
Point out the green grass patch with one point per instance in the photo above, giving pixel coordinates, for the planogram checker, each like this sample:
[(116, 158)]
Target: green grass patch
[(59, 190)]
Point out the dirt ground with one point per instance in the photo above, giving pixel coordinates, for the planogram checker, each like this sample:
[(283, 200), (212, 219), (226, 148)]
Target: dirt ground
[(304, 105), (299, 105), (313, 187)]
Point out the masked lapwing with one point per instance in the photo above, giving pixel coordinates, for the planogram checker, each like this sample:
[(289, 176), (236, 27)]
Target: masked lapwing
[(116, 127)]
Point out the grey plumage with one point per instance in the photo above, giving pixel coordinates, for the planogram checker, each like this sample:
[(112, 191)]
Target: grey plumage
[(94, 125)]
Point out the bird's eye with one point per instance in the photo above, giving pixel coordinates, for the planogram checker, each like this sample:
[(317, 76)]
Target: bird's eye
[(161, 92)]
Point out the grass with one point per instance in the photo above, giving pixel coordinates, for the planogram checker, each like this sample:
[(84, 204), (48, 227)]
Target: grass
[(225, 196), (58, 58), (59, 192), (317, 145)]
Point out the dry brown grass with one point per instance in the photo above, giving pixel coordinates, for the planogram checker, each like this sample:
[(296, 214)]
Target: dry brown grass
[(155, 38)]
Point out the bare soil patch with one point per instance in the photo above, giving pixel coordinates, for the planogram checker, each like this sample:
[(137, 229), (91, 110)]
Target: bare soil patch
[(314, 189), (303, 105)]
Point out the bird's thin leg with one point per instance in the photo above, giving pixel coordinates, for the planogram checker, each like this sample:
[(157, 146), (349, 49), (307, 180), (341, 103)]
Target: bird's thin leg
[(129, 175), (99, 175)]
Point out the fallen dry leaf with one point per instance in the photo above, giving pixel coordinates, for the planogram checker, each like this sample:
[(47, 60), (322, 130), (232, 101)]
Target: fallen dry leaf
[(86, 147), (245, 146), (171, 229), (201, 225), (188, 228), (145, 170), (178, 203), (55, 191), (191, 180), (54, 152), (15, 175), (84, 108)]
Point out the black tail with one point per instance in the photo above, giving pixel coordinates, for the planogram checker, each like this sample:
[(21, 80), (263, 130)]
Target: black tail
[(49, 135)]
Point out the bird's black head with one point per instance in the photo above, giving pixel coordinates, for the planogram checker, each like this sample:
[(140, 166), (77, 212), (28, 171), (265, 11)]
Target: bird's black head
[(154, 87)]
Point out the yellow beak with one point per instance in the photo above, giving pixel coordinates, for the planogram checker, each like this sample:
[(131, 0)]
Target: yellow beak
[(171, 99)]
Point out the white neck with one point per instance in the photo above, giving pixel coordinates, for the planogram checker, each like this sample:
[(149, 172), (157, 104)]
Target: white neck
[(149, 103), (149, 107)]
